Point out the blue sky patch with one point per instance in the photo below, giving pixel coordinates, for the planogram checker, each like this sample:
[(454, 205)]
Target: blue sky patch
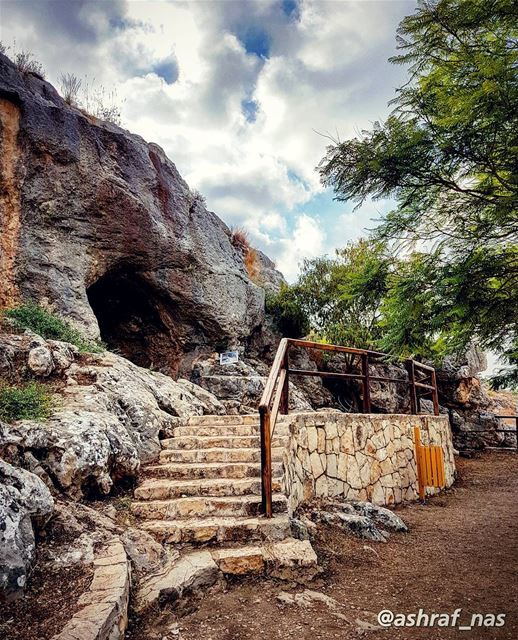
[(291, 9), (249, 109), (167, 69), (255, 40)]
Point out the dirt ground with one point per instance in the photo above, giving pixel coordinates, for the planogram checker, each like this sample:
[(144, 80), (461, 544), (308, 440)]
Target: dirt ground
[(50, 600), (461, 552)]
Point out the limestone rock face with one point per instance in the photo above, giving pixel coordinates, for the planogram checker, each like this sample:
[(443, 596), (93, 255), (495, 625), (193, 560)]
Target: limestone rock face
[(271, 279), (107, 419), (472, 407), (23, 496), (239, 386), (100, 225)]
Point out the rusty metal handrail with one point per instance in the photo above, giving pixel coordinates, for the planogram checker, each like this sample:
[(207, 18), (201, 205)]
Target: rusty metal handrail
[(276, 395)]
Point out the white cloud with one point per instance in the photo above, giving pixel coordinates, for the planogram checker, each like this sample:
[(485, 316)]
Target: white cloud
[(307, 241), (324, 71)]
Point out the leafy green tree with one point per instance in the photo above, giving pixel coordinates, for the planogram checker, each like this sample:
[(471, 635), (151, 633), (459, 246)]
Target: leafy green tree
[(339, 298), (448, 155), (287, 311)]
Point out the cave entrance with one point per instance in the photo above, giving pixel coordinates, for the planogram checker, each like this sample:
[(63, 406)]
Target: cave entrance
[(134, 321)]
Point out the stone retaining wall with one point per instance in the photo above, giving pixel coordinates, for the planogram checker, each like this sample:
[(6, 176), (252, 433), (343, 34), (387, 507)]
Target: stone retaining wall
[(104, 607), (359, 456)]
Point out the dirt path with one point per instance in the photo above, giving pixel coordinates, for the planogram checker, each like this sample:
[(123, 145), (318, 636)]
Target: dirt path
[(461, 552)]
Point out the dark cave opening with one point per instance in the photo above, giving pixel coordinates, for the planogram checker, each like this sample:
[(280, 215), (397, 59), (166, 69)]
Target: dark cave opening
[(134, 321)]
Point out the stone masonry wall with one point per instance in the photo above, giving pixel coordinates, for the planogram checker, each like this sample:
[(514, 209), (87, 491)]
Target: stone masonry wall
[(358, 456)]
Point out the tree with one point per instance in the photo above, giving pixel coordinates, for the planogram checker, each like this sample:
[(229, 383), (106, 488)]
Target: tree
[(448, 155), (339, 298)]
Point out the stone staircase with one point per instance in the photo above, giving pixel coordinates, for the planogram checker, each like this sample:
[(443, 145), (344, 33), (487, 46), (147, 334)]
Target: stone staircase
[(206, 486)]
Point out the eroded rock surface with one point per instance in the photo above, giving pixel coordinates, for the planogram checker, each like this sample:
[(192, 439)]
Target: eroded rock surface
[(472, 407), (23, 498), (108, 414), (363, 519)]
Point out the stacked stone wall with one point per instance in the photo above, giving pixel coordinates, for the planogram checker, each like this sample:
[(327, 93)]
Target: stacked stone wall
[(359, 456)]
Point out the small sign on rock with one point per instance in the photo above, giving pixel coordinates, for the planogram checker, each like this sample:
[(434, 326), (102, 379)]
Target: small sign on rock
[(229, 357)]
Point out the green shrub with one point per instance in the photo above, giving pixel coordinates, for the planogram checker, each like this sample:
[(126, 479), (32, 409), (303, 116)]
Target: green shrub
[(287, 312), (47, 325), (31, 401)]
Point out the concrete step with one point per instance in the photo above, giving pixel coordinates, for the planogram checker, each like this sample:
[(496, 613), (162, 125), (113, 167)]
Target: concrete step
[(164, 489), (217, 454), (200, 507), (193, 471), (219, 530), (211, 442)]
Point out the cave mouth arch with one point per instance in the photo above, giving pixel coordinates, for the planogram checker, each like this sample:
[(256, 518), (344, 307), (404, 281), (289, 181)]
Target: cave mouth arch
[(134, 320)]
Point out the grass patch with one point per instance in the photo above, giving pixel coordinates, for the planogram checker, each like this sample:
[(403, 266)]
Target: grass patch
[(47, 325), (31, 401)]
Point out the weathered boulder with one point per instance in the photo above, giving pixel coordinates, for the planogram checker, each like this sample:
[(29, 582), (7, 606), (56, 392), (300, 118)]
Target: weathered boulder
[(211, 404), (363, 519), (472, 407), (23, 498), (145, 553), (40, 361), (99, 224), (380, 515), (107, 420)]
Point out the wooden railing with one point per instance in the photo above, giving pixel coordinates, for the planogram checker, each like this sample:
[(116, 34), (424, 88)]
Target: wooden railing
[(421, 381)]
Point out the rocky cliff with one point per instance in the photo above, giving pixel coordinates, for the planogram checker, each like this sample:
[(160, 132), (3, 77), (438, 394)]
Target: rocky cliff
[(99, 224)]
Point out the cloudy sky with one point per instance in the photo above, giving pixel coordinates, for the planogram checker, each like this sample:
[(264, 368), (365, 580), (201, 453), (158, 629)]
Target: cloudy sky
[(237, 92)]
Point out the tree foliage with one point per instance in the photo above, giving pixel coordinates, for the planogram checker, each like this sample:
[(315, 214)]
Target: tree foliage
[(448, 155), (338, 298)]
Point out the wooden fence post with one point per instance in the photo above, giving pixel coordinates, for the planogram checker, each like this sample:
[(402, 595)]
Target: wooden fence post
[(435, 394), (285, 398), (266, 463), (412, 387), (366, 383), (419, 462)]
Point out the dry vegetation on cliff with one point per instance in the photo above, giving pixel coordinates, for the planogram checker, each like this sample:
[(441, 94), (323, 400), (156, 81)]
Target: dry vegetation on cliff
[(241, 241)]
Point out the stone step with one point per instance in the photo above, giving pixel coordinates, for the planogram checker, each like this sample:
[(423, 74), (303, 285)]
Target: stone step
[(219, 530), (200, 507), (289, 559), (227, 430), (217, 454), (164, 489), (223, 420), (218, 430), (193, 471), (211, 442)]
